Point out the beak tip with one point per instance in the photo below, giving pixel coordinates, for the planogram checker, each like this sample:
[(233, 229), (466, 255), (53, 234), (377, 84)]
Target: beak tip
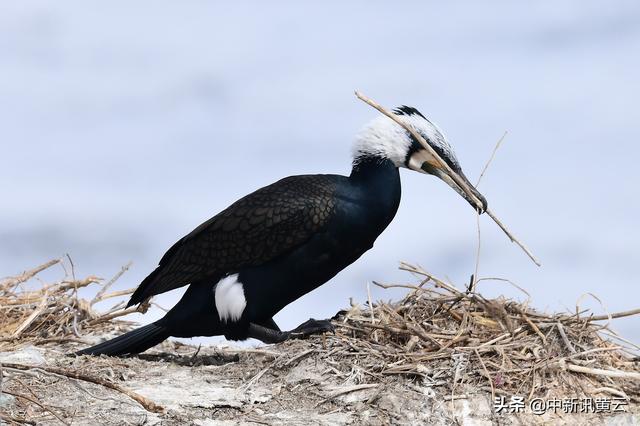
[(484, 203)]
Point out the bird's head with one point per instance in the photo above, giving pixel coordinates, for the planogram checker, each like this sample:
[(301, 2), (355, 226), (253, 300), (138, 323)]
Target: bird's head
[(384, 138)]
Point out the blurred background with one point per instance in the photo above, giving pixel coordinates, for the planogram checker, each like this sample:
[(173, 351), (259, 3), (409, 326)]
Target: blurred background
[(123, 125)]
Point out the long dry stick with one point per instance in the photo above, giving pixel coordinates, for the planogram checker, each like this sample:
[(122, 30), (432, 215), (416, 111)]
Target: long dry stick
[(454, 176), (533, 326), (146, 403), (38, 403), (601, 372), (474, 280), (348, 389), (98, 297), (27, 275), (614, 315), (565, 339), (493, 154), (141, 308), (17, 420), (27, 322), (484, 368)]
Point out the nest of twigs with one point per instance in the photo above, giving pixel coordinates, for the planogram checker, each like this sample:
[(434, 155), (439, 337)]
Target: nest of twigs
[(437, 338), (453, 338), (54, 312)]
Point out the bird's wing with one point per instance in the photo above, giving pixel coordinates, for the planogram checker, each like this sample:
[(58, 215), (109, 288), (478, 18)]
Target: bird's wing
[(257, 228)]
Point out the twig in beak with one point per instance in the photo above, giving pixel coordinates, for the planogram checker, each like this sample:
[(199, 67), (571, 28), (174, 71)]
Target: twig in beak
[(443, 165), (453, 175)]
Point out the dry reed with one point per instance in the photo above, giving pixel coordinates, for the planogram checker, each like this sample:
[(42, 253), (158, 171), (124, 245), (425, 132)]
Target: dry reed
[(437, 336), (447, 337), (54, 312)]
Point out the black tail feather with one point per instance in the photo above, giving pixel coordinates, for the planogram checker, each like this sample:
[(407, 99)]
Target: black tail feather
[(140, 294), (133, 342)]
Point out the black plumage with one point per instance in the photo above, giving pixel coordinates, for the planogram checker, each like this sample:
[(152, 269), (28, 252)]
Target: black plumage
[(278, 243), (252, 231), (282, 240)]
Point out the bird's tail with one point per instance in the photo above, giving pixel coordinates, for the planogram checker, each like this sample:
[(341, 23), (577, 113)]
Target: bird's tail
[(133, 342)]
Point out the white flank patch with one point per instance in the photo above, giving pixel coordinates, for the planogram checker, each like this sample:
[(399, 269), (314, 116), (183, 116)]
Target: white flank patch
[(230, 300)]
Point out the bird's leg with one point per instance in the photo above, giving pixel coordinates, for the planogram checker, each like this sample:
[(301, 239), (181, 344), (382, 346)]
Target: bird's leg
[(270, 323), (268, 335)]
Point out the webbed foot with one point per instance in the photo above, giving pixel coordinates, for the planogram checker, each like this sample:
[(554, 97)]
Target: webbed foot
[(310, 327)]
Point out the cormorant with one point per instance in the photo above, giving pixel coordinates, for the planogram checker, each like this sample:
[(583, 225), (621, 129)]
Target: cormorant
[(284, 240)]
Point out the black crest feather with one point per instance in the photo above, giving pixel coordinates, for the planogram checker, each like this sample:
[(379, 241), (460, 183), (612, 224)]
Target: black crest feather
[(407, 110)]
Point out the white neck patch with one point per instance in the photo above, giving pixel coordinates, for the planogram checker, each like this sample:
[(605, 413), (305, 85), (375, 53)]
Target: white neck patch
[(384, 138), (230, 299)]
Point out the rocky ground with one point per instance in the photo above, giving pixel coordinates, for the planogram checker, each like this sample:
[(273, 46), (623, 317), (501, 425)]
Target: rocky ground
[(286, 384)]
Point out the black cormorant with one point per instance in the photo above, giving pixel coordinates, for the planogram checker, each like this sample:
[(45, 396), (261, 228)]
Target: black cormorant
[(284, 240)]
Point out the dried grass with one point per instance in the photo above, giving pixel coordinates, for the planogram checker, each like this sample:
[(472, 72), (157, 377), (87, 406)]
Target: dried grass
[(437, 336), (447, 337), (53, 312)]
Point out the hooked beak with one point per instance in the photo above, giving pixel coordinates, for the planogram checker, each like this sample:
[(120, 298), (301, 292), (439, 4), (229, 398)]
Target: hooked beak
[(445, 177), (423, 162)]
